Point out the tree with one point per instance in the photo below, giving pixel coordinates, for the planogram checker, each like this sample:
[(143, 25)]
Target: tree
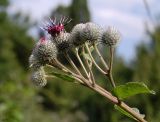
[(16, 93), (147, 69)]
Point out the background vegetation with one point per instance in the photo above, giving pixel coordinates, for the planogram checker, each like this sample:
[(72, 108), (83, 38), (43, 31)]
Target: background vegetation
[(61, 101)]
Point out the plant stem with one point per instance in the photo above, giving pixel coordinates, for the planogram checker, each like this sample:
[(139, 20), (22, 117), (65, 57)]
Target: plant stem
[(101, 58), (113, 99), (62, 67), (72, 64), (89, 67), (106, 94), (110, 67), (79, 59), (101, 70), (69, 72), (120, 104)]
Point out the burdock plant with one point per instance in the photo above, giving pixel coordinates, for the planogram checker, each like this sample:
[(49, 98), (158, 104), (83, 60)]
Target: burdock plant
[(83, 41)]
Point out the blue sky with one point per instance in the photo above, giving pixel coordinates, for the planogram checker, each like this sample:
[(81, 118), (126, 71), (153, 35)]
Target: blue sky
[(126, 15)]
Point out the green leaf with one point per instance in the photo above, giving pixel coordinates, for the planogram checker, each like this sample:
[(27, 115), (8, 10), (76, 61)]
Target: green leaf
[(128, 114), (130, 89), (64, 77)]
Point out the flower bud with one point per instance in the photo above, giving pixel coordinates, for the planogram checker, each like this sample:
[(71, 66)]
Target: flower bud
[(38, 77), (63, 42), (91, 32), (111, 36), (34, 63), (75, 37), (45, 51)]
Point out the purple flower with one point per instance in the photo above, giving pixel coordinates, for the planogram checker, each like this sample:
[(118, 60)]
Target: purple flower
[(54, 27)]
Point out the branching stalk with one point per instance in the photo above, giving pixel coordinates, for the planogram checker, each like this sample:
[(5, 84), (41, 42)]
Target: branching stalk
[(115, 100), (67, 71), (120, 104), (72, 64), (103, 92), (101, 58), (79, 59), (89, 68), (94, 62), (110, 67)]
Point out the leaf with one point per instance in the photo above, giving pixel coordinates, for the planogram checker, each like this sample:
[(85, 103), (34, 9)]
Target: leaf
[(130, 89), (64, 76), (128, 114)]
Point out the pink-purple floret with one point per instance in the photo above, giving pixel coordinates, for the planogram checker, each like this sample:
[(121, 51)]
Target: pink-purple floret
[(55, 29)]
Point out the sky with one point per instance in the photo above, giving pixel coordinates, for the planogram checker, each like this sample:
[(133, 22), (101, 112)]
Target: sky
[(128, 16)]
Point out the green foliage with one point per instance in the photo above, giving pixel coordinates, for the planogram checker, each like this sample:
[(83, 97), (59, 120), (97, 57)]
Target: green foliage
[(4, 3), (147, 68), (131, 89), (11, 106), (15, 47), (63, 76)]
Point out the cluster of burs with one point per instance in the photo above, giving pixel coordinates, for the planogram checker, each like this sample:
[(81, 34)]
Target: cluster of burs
[(47, 49)]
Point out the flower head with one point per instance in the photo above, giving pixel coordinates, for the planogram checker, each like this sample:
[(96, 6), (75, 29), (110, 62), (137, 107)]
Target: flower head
[(111, 36), (63, 42), (91, 32), (34, 62), (76, 35), (38, 77), (55, 27), (45, 51)]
